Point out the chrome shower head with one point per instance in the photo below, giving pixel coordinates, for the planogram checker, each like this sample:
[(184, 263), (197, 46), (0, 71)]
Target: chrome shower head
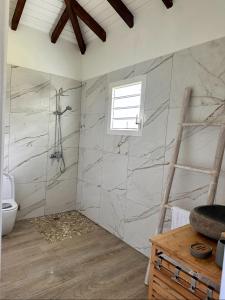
[(59, 113)]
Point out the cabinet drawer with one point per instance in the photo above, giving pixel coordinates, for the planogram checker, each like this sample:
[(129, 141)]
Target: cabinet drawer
[(168, 272), (162, 290), (163, 286)]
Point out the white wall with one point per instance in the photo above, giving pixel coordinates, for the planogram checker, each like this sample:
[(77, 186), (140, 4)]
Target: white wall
[(33, 49), (4, 15), (157, 32)]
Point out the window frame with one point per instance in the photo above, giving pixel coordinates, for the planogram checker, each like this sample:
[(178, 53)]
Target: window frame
[(121, 83)]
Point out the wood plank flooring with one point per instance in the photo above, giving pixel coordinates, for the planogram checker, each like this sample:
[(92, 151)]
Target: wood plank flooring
[(96, 265)]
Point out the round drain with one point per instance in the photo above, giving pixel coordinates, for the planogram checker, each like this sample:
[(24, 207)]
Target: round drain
[(6, 205)]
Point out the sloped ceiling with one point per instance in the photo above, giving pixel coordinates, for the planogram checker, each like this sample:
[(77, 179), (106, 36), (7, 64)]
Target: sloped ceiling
[(44, 14)]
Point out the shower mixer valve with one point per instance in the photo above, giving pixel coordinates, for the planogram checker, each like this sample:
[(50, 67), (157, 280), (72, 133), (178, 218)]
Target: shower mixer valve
[(56, 155)]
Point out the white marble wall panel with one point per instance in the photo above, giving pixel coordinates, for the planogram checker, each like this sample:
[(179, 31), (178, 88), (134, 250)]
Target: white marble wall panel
[(158, 80), (89, 200), (198, 143), (28, 164), (95, 93), (61, 186), (127, 174), (40, 186), (6, 153), (202, 68), (71, 91), (31, 199), (7, 100), (60, 196), (7, 121), (140, 224), (117, 144), (144, 183), (71, 165), (155, 124), (29, 129), (29, 90), (112, 211), (114, 172), (90, 166), (70, 124), (92, 131)]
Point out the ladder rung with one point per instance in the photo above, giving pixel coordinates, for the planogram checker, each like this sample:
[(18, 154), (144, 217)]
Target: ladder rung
[(200, 170), (168, 206), (204, 124)]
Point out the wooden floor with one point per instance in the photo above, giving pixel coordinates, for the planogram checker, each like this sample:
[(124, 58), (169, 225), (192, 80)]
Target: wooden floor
[(96, 265)]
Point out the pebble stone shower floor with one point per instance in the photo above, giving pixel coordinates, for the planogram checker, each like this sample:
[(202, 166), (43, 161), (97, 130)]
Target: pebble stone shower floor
[(67, 256), (61, 226)]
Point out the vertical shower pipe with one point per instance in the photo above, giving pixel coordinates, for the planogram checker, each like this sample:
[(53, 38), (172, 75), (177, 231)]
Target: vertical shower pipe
[(4, 21)]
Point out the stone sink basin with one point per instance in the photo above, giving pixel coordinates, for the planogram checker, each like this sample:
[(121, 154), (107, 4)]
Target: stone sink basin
[(209, 220)]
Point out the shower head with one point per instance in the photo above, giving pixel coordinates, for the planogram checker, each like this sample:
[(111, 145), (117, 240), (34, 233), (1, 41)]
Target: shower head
[(59, 113)]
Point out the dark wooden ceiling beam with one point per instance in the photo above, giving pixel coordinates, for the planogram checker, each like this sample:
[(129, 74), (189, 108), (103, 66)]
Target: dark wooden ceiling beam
[(17, 14), (60, 26), (89, 21), (84, 16), (76, 26), (123, 11), (168, 3)]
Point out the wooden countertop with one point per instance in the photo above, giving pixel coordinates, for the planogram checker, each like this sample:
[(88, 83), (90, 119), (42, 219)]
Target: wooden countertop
[(177, 243)]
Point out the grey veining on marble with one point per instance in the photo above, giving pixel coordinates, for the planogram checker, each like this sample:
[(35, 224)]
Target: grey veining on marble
[(70, 128), (202, 68), (112, 211), (31, 199), (114, 172), (89, 200), (60, 196), (29, 90), (90, 166), (117, 181), (92, 131), (121, 178), (29, 129), (71, 161), (29, 137), (27, 164)]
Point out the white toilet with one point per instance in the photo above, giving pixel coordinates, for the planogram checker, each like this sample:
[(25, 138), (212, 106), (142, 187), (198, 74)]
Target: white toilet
[(9, 205)]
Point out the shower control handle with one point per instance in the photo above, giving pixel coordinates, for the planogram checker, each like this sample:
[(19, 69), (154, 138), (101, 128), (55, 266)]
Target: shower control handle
[(56, 155)]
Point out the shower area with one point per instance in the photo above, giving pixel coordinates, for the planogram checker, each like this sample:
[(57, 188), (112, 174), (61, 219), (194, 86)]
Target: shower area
[(42, 125)]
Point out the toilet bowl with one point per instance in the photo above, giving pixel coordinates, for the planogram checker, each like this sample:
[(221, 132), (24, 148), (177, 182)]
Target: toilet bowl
[(9, 205)]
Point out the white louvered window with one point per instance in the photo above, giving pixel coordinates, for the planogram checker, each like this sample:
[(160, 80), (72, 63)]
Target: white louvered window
[(126, 109)]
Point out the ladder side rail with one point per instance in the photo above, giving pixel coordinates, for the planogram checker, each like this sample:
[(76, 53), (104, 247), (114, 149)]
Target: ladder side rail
[(184, 108), (217, 166)]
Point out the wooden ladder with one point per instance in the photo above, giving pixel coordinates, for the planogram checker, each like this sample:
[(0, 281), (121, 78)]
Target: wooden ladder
[(214, 172)]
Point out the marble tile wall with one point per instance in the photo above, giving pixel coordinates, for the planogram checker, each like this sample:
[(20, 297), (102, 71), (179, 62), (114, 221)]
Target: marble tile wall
[(29, 139), (116, 181), (121, 178)]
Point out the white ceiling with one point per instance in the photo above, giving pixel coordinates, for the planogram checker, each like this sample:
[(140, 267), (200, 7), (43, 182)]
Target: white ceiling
[(43, 15)]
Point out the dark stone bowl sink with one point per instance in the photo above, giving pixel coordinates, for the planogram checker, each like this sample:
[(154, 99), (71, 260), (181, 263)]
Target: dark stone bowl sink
[(209, 220)]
